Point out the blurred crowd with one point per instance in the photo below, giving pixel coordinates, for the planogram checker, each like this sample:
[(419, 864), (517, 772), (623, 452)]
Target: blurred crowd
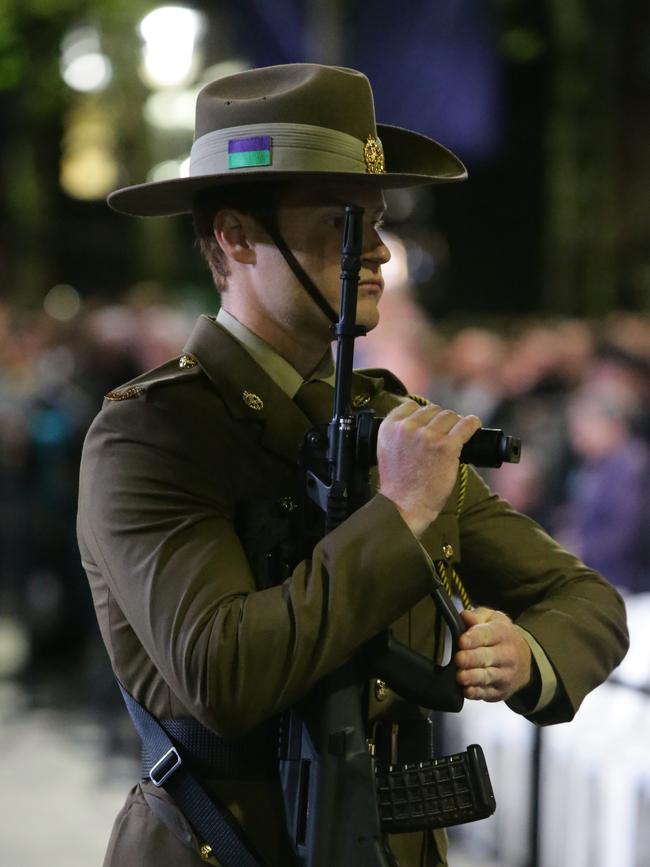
[(54, 373), (577, 393)]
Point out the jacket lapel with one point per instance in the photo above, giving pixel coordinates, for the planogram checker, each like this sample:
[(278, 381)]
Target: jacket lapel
[(367, 391), (252, 397), (249, 393)]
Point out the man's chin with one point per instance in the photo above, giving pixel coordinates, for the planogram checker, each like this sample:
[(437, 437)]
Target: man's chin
[(368, 318), (367, 315)]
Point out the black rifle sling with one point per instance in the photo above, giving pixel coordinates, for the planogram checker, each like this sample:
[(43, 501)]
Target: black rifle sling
[(213, 823)]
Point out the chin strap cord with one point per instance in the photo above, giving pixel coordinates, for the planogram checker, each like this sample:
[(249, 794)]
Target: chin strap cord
[(268, 222)]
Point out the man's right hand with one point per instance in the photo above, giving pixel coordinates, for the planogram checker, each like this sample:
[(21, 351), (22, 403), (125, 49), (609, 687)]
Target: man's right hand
[(417, 456)]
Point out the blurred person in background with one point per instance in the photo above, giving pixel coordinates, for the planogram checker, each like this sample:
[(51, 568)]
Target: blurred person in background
[(473, 373), (43, 417), (536, 379), (626, 367), (183, 463), (54, 374), (606, 519)]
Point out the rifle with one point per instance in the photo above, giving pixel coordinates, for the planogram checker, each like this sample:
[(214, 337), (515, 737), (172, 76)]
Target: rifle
[(329, 776)]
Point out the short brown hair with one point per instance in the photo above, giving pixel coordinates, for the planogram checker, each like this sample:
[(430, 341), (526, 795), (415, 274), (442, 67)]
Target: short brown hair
[(250, 198)]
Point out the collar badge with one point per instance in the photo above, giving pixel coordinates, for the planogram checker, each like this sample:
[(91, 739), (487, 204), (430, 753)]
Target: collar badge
[(253, 401)]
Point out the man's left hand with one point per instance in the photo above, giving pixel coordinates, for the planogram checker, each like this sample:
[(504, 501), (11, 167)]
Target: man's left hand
[(493, 660)]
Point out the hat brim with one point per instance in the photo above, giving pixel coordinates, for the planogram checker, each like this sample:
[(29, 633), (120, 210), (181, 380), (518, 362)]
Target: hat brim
[(415, 160)]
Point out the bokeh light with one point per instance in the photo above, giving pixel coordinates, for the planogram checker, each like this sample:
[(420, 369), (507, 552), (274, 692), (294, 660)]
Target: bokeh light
[(62, 302), (83, 65), (88, 168), (170, 35)]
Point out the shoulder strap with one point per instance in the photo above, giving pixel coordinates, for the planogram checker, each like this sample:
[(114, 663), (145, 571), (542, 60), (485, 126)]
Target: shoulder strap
[(213, 823)]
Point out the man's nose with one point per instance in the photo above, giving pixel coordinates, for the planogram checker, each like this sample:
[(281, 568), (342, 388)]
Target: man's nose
[(374, 247)]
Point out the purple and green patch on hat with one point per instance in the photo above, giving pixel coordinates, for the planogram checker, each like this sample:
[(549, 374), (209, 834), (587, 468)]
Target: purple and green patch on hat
[(247, 152)]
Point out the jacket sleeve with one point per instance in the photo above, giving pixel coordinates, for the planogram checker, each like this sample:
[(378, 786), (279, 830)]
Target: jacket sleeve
[(159, 533), (578, 618)]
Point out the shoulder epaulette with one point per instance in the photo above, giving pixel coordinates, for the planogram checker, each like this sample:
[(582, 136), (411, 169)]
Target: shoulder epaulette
[(391, 382), (176, 370)]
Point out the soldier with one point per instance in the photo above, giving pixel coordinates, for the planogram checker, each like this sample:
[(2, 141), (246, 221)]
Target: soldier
[(181, 461)]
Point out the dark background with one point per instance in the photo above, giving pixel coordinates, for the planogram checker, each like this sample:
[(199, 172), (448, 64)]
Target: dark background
[(546, 103)]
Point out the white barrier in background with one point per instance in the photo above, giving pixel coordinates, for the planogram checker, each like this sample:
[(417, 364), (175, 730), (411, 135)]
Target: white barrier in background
[(595, 780), (506, 740)]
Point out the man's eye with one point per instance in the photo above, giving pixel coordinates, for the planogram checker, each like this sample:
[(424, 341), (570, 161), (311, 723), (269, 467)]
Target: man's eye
[(337, 222)]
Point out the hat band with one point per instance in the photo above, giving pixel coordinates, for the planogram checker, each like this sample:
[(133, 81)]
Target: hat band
[(276, 147)]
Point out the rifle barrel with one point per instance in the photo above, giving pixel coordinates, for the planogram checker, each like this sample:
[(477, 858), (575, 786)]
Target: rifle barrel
[(346, 329)]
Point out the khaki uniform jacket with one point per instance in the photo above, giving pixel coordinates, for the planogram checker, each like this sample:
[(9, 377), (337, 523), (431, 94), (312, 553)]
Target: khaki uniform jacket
[(166, 470)]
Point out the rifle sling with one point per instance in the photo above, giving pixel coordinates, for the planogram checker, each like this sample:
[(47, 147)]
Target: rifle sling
[(213, 823)]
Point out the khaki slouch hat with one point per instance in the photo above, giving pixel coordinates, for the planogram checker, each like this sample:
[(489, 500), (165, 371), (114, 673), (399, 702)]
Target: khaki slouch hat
[(297, 122)]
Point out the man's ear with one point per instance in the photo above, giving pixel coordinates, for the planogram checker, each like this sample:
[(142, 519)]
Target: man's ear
[(232, 229)]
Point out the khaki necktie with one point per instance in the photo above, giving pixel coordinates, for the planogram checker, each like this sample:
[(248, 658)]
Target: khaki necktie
[(315, 399)]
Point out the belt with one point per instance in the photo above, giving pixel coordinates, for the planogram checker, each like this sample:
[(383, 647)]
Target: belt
[(212, 821), (252, 757)]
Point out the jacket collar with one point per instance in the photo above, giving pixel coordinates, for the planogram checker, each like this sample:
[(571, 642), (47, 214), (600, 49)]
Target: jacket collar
[(251, 396), (278, 368)]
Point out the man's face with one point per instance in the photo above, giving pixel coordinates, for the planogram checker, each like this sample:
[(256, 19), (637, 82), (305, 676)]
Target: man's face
[(311, 221)]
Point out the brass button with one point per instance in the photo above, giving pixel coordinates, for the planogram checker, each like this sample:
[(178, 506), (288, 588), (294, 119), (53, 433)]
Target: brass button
[(447, 551), (186, 361), (206, 851), (360, 400), (381, 690), (288, 504), (253, 401)]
